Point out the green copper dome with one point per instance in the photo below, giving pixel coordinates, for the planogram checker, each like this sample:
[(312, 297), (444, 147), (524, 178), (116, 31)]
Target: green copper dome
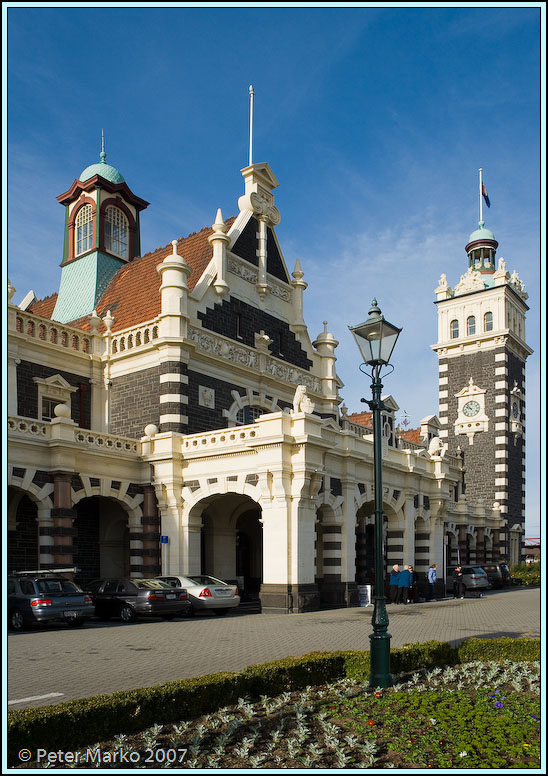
[(103, 169), (481, 234)]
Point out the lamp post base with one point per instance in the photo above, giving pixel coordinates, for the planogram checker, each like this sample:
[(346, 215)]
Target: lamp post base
[(379, 653)]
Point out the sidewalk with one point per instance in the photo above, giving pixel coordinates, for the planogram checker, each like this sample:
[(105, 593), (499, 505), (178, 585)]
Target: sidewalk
[(102, 658)]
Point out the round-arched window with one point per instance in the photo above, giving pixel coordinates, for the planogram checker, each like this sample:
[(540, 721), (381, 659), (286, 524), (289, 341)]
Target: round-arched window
[(84, 230), (471, 325), (454, 328), (116, 229), (488, 322)]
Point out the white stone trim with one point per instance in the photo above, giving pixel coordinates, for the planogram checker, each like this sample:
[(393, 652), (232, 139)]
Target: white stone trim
[(173, 397), (501, 467), (501, 481), (501, 357), (501, 370), (174, 419), (171, 377), (501, 385), (500, 413), (443, 367), (501, 453), (500, 398), (443, 380), (501, 440)]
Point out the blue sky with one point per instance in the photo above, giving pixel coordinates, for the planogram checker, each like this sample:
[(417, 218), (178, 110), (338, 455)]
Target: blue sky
[(375, 121)]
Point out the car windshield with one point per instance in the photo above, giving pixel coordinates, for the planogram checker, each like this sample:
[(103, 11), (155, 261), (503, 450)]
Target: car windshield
[(205, 580), (53, 586), (150, 584)]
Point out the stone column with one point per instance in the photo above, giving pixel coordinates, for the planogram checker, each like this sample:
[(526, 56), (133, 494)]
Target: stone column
[(45, 539), (463, 548), (136, 561), (63, 515), (151, 533), (480, 546)]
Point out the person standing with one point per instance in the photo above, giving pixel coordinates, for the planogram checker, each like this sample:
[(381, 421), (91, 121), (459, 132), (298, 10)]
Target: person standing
[(458, 583), (412, 592), (432, 577), (393, 585), (404, 582)]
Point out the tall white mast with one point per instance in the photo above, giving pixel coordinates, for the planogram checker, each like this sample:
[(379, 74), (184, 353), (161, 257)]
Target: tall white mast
[(480, 195), (251, 95)]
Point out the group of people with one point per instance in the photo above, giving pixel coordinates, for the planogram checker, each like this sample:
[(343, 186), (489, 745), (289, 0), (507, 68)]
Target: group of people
[(403, 585)]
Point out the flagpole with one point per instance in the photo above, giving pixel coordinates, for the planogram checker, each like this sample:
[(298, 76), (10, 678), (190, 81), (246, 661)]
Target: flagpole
[(251, 94), (480, 196)]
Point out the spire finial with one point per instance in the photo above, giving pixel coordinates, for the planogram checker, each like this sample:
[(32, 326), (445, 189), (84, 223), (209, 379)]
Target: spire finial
[(103, 154), (251, 95)]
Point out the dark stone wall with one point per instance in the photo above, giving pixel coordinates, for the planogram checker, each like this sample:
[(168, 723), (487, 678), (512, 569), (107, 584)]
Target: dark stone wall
[(516, 460), (246, 248), (135, 402), (240, 321), (22, 547), (27, 391)]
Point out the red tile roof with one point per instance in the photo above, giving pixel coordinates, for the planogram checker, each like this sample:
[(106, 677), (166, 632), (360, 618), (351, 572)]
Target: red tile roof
[(361, 418), (412, 435), (133, 294)]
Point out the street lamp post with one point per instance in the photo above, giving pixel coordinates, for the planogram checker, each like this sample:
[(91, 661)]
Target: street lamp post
[(376, 339)]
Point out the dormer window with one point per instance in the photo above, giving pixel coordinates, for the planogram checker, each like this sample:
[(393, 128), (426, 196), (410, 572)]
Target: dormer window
[(488, 322), (454, 329), (84, 230), (116, 232), (471, 325)]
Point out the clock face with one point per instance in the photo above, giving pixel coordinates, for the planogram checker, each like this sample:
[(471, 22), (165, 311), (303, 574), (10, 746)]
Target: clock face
[(471, 408), (515, 409)]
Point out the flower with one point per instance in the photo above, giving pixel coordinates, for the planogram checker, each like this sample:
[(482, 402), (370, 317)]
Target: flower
[(370, 721), (463, 754), (499, 705), (378, 695)]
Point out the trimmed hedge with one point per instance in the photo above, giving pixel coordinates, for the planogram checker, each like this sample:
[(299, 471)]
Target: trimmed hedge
[(527, 573), (74, 724)]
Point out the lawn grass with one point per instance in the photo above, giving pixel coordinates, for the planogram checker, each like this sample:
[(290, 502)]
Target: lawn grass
[(476, 715)]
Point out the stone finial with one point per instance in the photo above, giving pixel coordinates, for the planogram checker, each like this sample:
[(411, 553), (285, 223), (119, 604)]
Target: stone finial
[(262, 342), (219, 225), (298, 273), (11, 291), (108, 320), (94, 321), (151, 430)]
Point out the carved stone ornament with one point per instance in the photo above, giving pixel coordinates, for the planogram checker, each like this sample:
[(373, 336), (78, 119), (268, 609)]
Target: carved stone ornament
[(517, 285), (437, 448), (470, 281), (249, 275), (263, 207), (301, 401)]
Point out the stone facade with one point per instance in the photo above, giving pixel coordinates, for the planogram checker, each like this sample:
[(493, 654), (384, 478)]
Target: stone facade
[(193, 405)]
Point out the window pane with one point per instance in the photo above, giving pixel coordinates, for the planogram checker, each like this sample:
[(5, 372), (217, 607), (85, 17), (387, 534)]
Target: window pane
[(116, 229)]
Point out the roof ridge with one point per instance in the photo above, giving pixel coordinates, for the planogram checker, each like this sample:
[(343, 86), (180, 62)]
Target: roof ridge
[(182, 238)]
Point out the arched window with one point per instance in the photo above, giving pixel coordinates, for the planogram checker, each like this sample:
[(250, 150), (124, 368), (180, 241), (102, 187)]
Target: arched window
[(248, 415), (488, 322), (471, 325), (84, 230), (116, 230), (454, 328)]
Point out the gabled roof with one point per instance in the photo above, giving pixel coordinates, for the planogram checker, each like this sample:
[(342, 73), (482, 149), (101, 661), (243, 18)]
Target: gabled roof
[(133, 294)]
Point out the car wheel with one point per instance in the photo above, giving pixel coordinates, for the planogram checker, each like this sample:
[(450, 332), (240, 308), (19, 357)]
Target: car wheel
[(190, 612), (17, 621), (221, 612), (76, 622), (127, 614)]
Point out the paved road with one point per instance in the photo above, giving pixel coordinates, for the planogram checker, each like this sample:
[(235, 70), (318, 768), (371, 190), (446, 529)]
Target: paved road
[(63, 663)]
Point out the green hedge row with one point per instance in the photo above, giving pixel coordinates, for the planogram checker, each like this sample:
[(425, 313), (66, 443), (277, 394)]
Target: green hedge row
[(527, 573), (71, 725)]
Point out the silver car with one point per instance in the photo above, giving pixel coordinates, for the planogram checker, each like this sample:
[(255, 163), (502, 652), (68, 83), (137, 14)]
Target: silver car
[(473, 577), (206, 593)]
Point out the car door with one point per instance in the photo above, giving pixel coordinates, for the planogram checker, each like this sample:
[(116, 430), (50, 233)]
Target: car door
[(107, 600)]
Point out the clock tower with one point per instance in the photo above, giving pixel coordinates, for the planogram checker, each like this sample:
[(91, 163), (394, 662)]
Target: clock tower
[(482, 352)]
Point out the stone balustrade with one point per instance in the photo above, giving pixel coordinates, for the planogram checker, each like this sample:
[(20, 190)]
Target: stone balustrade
[(231, 437), (52, 332), (135, 337)]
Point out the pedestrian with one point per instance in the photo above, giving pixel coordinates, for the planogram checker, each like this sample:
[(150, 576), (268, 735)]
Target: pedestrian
[(393, 585), (412, 592), (432, 577), (458, 583), (404, 580)]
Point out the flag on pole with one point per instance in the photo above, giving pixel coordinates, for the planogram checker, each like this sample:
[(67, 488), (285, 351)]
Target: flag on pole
[(485, 195)]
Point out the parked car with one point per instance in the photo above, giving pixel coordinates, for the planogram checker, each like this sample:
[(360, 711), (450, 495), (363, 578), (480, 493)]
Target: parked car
[(207, 593), (473, 577), (45, 596), (132, 598), (498, 574)]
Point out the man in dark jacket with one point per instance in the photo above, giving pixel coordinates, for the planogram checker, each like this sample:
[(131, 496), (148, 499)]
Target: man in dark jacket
[(405, 579), (393, 585), (458, 583)]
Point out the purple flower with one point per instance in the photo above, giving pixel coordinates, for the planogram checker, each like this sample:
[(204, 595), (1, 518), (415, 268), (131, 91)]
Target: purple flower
[(534, 716), (499, 705)]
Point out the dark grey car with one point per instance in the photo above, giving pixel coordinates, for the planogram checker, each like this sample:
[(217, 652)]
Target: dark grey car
[(498, 574), (38, 597), (132, 598)]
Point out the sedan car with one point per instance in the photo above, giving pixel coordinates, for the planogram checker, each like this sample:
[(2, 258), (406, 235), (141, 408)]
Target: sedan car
[(206, 593), (132, 598), (45, 596)]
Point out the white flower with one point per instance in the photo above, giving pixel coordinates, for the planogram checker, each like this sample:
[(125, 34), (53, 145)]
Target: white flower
[(433, 721), (463, 754)]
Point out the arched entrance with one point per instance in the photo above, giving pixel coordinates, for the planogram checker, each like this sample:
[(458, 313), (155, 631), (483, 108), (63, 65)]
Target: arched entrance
[(22, 549), (101, 540), (231, 545)]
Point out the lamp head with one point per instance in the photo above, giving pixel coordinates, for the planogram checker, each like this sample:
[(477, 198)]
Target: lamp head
[(376, 337)]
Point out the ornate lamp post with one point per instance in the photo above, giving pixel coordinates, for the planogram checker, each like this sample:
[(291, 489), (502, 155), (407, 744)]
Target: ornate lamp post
[(376, 339)]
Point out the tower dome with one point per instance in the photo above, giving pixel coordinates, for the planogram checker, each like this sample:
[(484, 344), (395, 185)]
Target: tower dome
[(103, 169), (481, 249)]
